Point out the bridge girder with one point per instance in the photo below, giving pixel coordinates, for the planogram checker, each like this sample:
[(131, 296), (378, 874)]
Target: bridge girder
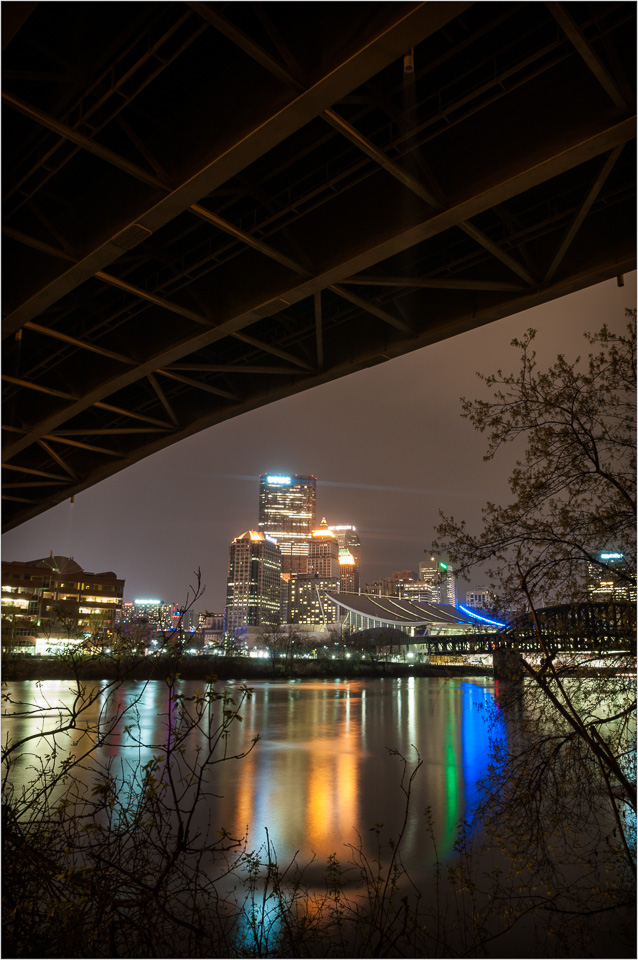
[(209, 211)]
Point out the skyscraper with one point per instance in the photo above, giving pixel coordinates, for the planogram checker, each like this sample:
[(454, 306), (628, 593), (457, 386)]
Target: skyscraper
[(348, 572), (349, 556), (254, 573), (323, 552), (604, 583), (348, 539), (287, 514), (440, 578)]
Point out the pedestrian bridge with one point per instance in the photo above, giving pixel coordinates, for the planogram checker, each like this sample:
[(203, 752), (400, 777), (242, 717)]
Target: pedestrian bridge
[(570, 628), (209, 207)]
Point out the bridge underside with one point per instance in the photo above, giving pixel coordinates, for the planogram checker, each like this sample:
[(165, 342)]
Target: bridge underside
[(212, 206)]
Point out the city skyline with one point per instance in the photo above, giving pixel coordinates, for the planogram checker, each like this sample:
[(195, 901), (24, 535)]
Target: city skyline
[(387, 445)]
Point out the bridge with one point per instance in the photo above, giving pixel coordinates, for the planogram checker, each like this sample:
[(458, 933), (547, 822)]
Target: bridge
[(568, 628), (209, 207)]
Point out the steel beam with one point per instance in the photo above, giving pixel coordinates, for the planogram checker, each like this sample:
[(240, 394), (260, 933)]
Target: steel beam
[(74, 136), (198, 385), (81, 344), (409, 28), (366, 357), (437, 283), (582, 212), (588, 54), (58, 459), (577, 150)]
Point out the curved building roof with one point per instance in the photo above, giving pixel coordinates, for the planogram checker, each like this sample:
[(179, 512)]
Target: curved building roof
[(396, 612)]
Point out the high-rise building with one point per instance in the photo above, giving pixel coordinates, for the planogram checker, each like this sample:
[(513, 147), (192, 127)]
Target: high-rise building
[(606, 581), (155, 612), (348, 539), (287, 514), (348, 572), (480, 598), (440, 578), (254, 574), (323, 552), (308, 601)]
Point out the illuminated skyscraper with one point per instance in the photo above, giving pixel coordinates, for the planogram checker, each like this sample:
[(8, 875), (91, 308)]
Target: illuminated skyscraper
[(323, 552), (287, 514), (348, 572), (349, 556), (605, 580), (254, 574), (440, 579), (348, 539)]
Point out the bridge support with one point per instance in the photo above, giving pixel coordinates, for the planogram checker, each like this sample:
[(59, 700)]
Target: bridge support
[(508, 664)]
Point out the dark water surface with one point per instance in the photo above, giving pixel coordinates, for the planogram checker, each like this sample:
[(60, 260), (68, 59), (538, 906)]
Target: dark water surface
[(322, 770)]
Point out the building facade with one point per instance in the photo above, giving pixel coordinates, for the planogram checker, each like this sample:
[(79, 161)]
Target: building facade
[(308, 602), (348, 539), (254, 575), (158, 614), (323, 552), (348, 572), (439, 576), (54, 598), (480, 598), (287, 508), (605, 581)]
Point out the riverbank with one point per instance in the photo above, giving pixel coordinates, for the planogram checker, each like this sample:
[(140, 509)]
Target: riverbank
[(224, 668)]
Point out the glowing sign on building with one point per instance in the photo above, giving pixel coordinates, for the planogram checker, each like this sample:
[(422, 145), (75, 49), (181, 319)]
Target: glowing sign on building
[(279, 481), (612, 556), (148, 603)]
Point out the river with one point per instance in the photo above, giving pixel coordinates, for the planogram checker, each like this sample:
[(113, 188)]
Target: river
[(322, 770), (326, 767)]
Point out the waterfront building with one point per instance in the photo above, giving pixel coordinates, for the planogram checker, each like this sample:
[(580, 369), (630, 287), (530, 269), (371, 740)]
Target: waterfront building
[(308, 599), (254, 576), (55, 599), (416, 619), (287, 507), (323, 552)]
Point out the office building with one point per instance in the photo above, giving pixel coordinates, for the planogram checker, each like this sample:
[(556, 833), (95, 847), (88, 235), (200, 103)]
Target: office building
[(157, 613), (440, 578), (287, 515), (418, 590), (54, 598), (348, 572), (308, 602), (609, 580), (254, 575), (323, 552), (348, 539), (480, 598)]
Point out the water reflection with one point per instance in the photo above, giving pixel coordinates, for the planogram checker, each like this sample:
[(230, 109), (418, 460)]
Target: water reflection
[(322, 769)]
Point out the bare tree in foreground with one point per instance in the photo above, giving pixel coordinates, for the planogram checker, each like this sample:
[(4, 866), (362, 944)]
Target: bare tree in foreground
[(565, 788)]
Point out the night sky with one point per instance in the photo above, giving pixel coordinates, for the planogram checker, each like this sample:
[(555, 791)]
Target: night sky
[(387, 445)]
